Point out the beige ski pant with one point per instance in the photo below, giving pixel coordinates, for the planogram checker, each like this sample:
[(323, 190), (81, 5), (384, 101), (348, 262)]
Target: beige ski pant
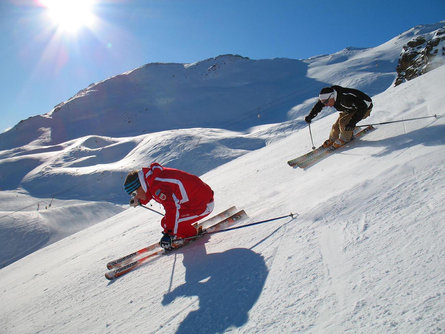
[(338, 129)]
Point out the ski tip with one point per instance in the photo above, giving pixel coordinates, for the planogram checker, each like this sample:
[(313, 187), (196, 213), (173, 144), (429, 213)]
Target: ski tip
[(293, 164), (110, 276)]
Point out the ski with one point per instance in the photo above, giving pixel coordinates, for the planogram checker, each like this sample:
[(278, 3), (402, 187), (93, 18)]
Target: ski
[(311, 158), (137, 263), (222, 215), (128, 258)]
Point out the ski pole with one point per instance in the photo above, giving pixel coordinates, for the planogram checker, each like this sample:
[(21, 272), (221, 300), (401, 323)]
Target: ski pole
[(400, 120), (292, 215), (312, 140), (146, 207)]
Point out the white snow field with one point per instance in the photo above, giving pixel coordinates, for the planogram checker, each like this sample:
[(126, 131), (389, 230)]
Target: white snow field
[(63, 171), (366, 253)]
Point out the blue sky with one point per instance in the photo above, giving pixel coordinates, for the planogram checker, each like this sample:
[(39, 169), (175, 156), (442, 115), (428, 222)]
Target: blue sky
[(43, 62)]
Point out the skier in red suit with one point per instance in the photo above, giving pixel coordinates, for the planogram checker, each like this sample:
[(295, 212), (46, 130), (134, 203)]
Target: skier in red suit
[(185, 198)]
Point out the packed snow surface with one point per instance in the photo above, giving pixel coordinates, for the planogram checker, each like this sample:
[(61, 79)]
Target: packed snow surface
[(365, 252)]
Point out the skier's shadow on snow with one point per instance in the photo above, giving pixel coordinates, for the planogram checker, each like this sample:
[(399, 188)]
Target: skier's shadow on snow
[(227, 284)]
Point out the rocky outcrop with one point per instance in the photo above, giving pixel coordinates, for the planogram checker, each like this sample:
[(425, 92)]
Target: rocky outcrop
[(421, 55)]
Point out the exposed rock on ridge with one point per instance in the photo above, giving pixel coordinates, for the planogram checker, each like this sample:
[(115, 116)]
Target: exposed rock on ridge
[(421, 55)]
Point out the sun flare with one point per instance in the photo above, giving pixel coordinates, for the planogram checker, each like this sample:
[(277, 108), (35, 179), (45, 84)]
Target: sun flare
[(70, 15)]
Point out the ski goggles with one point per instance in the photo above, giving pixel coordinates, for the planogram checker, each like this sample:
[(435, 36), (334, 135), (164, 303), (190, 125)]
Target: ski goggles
[(132, 186), (324, 98)]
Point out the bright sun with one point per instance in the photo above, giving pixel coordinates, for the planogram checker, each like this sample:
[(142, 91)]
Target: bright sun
[(70, 15)]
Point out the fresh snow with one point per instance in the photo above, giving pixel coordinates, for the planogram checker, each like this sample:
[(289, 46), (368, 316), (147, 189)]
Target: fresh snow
[(366, 253)]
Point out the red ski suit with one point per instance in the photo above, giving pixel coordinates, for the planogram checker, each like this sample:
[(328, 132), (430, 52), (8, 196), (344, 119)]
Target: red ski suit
[(185, 198)]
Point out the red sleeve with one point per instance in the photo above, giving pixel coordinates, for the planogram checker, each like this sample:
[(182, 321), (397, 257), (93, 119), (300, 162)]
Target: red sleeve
[(165, 196), (143, 202)]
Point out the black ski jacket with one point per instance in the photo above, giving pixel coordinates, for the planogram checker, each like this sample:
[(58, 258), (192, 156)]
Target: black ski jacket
[(348, 100)]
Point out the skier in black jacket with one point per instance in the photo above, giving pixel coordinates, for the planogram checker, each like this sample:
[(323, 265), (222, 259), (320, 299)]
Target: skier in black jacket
[(353, 105)]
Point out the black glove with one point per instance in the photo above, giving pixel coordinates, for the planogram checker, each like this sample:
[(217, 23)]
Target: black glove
[(134, 203), (350, 126), (166, 241), (308, 119)]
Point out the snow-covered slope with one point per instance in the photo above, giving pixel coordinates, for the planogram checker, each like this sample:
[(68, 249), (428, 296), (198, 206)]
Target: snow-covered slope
[(365, 255), (205, 114)]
